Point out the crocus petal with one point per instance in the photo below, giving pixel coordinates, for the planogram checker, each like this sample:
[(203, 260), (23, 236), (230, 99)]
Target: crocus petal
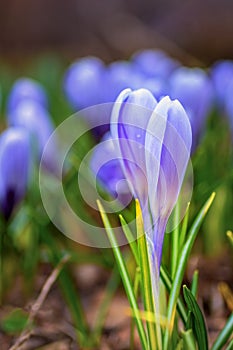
[(153, 145), (169, 140), (14, 168), (129, 120), (168, 143)]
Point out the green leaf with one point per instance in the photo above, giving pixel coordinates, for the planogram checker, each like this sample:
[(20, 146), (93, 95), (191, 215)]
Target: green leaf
[(184, 228), (181, 266), (14, 322), (194, 285), (180, 345), (188, 341), (168, 284), (189, 323), (124, 276), (230, 237), (137, 279), (224, 334), (199, 327), (230, 345), (130, 238)]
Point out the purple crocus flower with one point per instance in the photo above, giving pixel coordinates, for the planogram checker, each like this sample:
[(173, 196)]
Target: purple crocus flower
[(157, 86), (193, 88), (14, 168), (119, 76), (25, 88), (83, 83), (154, 140), (222, 75), (154, 63), (106, 167), (84, 86), (37, 121)]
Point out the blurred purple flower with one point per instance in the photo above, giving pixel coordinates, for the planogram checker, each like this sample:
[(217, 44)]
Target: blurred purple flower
[(157, 86), (88, 82), (25, 88), (193, 88), (106, 167), (14, 168), (154, 63), (119, 76), (222, 75), (84, 81), (125, 74), (154, 141), (228, 102), (84, 86), (37, 121)]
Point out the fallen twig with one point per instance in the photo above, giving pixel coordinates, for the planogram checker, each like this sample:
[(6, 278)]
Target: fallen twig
[(25, 335)]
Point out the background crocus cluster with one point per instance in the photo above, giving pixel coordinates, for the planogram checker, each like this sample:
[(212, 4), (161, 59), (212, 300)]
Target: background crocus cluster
[(152, 70), (21, 145), (89, 81)]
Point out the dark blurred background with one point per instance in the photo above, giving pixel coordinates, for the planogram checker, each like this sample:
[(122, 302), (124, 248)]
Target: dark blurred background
[(195, 31)]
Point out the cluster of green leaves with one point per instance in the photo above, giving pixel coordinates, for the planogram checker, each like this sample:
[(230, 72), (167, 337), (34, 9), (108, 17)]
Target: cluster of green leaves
[(162, 331)]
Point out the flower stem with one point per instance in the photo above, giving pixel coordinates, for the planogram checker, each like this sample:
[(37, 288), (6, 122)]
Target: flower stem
[(148, 276), (175, 241)]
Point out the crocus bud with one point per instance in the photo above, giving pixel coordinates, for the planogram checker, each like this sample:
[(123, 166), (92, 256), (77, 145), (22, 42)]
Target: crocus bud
[(83, 83), (157, 86), (84, 86), (154, 63), (119, 76), (124, 74), (105, 166), (26, 88), (222, 75), (154, 140), (14, 168), (193, 88), (36, 120)]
